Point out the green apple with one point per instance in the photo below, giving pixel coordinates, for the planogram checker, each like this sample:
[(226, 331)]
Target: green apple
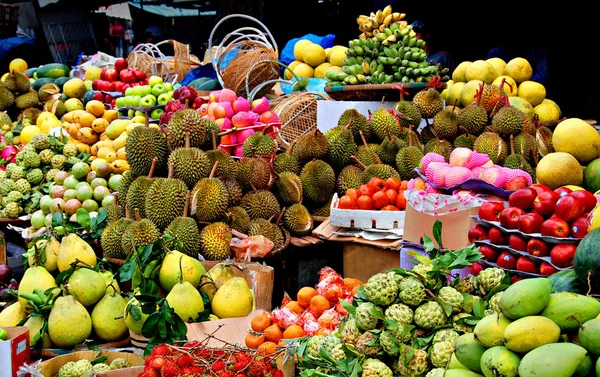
[(71, 182), (90, 205), (135, 101), (169, 86), (140, 113), (127, 100), (80, 170), (154, 80), (120, 102), (98, 182), (37, 219), (101, 192), (114, 181), (163, 99), (130, 113), (158, 89), (156, 113), (45, 202), (144, 90), (129, 91), (148, 101)]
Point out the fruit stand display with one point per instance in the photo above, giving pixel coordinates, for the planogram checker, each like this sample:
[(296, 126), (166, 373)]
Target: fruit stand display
[(155, 213)]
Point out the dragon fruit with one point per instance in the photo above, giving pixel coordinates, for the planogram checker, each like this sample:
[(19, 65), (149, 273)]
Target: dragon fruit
[(457, 175), (460, 156), (9, 154), (429, 158)]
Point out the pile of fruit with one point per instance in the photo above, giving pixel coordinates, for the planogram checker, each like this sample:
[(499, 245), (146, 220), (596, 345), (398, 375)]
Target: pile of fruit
[(377, 194), (316, 311), (116, 79), (312, 60), (149, 97), (80, 367)]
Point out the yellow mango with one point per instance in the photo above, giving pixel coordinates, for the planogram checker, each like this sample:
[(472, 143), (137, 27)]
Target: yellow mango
[(121, 154), (107, 153), (87, 135), (99, 125), (119, 166), (131, 126), (73, 130), (96, 162), (79, 116), (82, 147), (110, 115), (120, 142), (116, 128)]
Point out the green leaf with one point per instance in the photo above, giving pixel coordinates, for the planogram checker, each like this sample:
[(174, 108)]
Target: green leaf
[(126, 270), (326, 355), (145, 254), (134, 311), (83, 218), (148, 287), (437, 233), (351, 309), (428, 243), (99, 359), (479, 308), (57, 219), (419, 257), (101, 215), (447, 308), (150, 327)]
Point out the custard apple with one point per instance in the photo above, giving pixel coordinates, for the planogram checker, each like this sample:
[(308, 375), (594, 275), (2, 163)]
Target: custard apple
[(376, 368), (350, 332), (13, 210), (34, 176), (7, 186), (312, 346), (364, 319), (330, 341), (73, 160), (445, 335), (389, 342), (69, 150), (31, 160), (46, 156), (463, 285), (452, 297), (430, 315), (2, 174), (382, 289), (50, 174), (58, 161), (461, 326), (436, 372), (469, 302), (82, 366), (22, 186), (67, 370), (494, 300), (490, 278), (119, 363), (367, 344), (40, 141), (101, 367), (415, 366), (422, 269), (412, 291), (440, 352), (12, 197), (9, 169), (337, 352), (17, 173), (400, 313)]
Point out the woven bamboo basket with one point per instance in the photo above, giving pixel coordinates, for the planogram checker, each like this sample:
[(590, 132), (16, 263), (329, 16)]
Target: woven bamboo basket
[(150, 59), (241, 59), (297, 113)]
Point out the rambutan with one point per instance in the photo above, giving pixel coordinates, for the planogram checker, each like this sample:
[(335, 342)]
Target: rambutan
[(169, 371), (219, 365), (161, 349), (157, 362), (185, 361), (277, 373)]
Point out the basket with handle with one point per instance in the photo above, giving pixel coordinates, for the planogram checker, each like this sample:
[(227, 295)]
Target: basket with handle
[(150, 59), (238, 54)]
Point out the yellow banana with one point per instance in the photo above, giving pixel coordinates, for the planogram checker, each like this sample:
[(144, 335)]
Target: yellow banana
[(361, 78), (402, 24), (387, 11), (387, 20), (391, 39), (379, 16), (372, 15), (381, 28), (397, 16), (362, 19), (362, 36), (412, 34), (366, 68), (373, 24)]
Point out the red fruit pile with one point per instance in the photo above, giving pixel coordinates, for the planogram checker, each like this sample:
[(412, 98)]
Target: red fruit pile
[(181, 96), (377, 194), (196, 359), (119, 78)]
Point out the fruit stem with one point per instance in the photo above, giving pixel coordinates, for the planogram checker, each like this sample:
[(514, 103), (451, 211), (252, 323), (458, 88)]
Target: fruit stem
[(410, 134), (280, 216), (214, 139), (171, 168), (187, 140), (127, 213), (147, 119), (180, 269), (387, 131), (362, 136), (137, 215), (187, 203), (291, 147), (36, 260), (214, 169), (347, 126), (111, 284), (152, 167), (464, 129), (512, 144), (359, 162)]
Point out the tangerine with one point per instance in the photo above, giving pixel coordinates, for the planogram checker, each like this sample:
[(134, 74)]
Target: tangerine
[(323, 331), (318, 304), (305, 294), (347, 202), (254, 340), (294, 331), (350, 283), (267, 348), (401, 200), (295, 307), (393, 183), (273, 333), (260, 322)]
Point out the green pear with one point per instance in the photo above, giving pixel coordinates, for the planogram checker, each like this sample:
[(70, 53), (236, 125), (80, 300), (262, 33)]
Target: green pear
[(73, 248), (69, 322), (174, 265), (12, 315), (133, 324), (112, 285), (87, 285), (107, 318), (35, 324), (233, 299), (34, 277), (50, 249), (186, 301)]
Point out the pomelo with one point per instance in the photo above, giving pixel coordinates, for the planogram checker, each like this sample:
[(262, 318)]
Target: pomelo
[(458, 75), (467, 94), (532, 91), (481, 70), (519, 69), (577, 137), (498, 64), (559, 169), (507, 84)]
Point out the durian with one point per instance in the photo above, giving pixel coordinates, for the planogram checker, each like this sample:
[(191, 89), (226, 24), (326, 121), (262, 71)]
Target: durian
[(209, 198), (318, 181)]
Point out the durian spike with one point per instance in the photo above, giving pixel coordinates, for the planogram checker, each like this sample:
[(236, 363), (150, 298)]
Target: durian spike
[(387, 131), (464, 129), (137, 215), (171, 168), (127, 213), (364, 140), (147, 119), (187, 140), (214, 140), (214, 169), (359, 162), (153, 167), (512, 144), (410, 127)]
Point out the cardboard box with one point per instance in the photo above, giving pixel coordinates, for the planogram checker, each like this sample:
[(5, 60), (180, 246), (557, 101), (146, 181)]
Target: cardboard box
[(50, 368), (365, 219), (259, 277), (229, 330), (125, 372), (455, 226), (14, 351)]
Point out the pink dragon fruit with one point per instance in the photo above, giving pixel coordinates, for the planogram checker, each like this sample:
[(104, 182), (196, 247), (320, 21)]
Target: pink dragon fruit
[(460, 156), (9, 154), (429, 158), (457, 175)]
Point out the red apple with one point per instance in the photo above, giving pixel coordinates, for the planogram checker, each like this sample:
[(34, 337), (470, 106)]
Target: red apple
[(526, 264), (497, 236), (488, 252), (540, 188), (523, 198), (537, 247), (140, 75), (121, 64), (547, 269), (555, 227), (562, 191), (588, 198), (545, 203), (95, 84), (98, 96), (119, 86), (515, 278), (509, 217), (5, 273), (478, 233), (490, 211), (476, 268), (507, 261), (562, 255), (516, 183), (517, 242), (530, 223), (579, 227), (569, 208), (103, 74), (108, 98), (112, 74)]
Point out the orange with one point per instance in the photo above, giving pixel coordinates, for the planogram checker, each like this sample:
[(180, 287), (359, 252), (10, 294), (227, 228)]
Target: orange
[(254, 340), (305, 294), (355, 290), (295, 307), (267, 348), (273, 333), (292, 332), (350, 283), (318, 304), (323, 331), (260, 322)]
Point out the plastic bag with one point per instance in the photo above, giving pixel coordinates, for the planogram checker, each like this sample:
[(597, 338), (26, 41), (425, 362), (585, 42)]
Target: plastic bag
[(284, 318), (329, 319), (331, 285), (251, 247), (309, 323), (440, 204), (287, 54)]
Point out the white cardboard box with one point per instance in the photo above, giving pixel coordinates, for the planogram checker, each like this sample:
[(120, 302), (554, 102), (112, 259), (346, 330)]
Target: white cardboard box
[(14, 351), (364, 219)]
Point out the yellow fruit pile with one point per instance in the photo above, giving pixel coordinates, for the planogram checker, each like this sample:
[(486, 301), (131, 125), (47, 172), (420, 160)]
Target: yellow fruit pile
[(514, 77), (312, 60)]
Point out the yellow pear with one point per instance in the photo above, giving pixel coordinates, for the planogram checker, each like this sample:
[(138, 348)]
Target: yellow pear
[(69, 322), (186, 301), (220, 273), (112, 285), (72, 247), (233, 299), (12, 315), (46, 250), (34, 277), (87, 286), (107, 318), (174, 265), (134, 324)]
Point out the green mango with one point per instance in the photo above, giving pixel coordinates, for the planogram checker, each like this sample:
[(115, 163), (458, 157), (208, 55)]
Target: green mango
[(454, 363), (525, 297), (552, 360), (461, 373), (489, 331), (500, 362), (468, 351), (569, 310), (598, 367), (589, 336), (584, 369), (527, 333)]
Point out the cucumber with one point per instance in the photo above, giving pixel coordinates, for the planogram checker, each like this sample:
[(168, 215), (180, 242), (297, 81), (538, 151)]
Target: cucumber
[(61, 81), (30, 71), (198, 81), (37, 84), (53, 70)]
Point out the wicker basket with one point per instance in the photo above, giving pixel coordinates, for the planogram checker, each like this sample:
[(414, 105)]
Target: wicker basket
[(244, 54), (149, 58), (297, 113)]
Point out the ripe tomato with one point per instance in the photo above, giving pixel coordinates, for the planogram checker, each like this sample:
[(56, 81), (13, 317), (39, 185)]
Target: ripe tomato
[(365, 190), (377, 184), (389, 207), (392, 195), (353, 193), (401, 200), (347, 202), (403, 185), (380, 200), (393, 183), (364, 202)]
